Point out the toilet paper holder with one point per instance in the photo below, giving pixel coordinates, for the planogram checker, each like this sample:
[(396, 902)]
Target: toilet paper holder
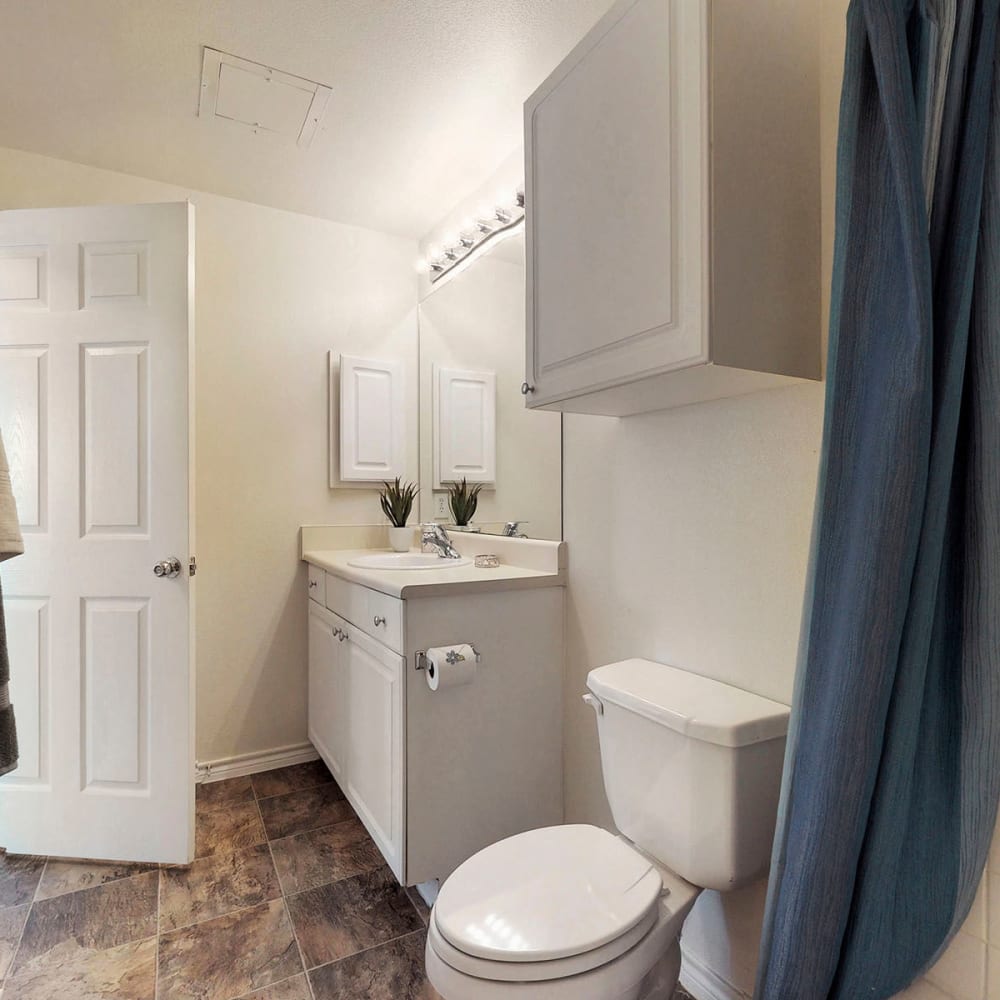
[(420, 657)]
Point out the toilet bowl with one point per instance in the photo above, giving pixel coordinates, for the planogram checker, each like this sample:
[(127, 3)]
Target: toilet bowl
[(561, 913), (692, 771)]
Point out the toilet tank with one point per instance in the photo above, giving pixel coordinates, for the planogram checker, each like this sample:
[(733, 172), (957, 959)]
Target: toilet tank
[(692, 768)]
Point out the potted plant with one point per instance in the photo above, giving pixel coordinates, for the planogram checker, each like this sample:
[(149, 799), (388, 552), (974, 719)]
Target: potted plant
[(397, 502), (463, 500)]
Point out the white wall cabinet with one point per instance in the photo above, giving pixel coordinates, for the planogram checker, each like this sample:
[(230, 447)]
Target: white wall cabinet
[(436, 776), (673, 197), (372, 419)]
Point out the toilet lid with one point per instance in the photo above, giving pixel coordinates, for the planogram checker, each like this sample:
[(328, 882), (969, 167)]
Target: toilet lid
[(546, 894)]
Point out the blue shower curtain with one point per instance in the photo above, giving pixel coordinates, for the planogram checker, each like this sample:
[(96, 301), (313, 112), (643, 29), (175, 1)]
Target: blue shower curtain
[(893, 767)]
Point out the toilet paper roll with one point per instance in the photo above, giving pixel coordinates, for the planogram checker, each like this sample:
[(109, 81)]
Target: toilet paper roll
[(450, 666)]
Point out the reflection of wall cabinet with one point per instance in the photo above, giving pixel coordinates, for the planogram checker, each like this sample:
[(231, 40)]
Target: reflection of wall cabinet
[(435, 776), (672, 185), (465, 426)]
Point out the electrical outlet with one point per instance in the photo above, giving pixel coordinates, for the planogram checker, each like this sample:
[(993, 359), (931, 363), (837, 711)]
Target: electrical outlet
[(440, 505)]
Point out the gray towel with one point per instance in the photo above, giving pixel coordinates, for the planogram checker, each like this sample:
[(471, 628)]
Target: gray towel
[(11, 545), (8, 730)]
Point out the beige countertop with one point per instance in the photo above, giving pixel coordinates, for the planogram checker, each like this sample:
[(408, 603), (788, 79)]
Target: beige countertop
[(432, 582)]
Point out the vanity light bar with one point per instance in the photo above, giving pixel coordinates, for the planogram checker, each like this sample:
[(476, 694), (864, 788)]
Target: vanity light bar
[(474, 237)]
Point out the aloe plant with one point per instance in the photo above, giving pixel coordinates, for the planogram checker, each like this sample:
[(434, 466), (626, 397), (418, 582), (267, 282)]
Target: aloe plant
[(397, 501), (463, 500)]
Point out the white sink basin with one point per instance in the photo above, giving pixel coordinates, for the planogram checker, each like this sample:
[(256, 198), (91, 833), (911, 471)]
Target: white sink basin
[(406, 560)]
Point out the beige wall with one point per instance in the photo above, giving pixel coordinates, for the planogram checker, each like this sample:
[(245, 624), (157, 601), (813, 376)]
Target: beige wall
[(688, 536), (275, 292)]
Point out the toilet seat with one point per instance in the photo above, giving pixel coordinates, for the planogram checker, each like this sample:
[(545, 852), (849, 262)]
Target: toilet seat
[(545, 904), (537, 972)]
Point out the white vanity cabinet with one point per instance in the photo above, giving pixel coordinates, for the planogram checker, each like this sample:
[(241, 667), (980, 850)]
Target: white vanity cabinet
[(356, 723), (328, 688), (672, 189), (437, 775)]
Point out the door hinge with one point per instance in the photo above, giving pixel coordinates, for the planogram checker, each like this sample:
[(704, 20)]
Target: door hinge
[(192, 566)]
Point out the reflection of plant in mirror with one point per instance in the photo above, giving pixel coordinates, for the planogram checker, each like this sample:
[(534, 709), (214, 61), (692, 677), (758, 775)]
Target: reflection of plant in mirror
[(397, 501), (463, 500)]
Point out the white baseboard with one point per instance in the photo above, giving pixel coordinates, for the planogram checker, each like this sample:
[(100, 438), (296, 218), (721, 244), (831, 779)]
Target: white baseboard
[(705, 984), (251, 763)]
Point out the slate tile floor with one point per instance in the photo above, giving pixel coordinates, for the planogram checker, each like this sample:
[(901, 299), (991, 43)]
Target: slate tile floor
[(288, 899)]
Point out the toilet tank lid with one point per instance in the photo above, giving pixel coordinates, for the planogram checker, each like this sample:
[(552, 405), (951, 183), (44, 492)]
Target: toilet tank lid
[(699, 707)]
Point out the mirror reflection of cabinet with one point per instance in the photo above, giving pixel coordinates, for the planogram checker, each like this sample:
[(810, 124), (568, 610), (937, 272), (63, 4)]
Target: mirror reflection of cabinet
[(472, 325), (464, 426)]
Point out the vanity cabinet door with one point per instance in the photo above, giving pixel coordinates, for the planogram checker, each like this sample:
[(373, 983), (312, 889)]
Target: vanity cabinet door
[(328, 680), (375, 742)]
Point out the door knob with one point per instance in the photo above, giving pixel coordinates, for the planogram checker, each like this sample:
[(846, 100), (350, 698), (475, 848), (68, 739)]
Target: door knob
[(169, 568)]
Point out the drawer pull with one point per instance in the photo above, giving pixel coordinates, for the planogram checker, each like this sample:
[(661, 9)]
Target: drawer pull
[(343, 636), (379, 620), (312, 583)]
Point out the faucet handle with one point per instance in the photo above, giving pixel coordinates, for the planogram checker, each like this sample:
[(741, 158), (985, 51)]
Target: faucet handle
[(433, 538)]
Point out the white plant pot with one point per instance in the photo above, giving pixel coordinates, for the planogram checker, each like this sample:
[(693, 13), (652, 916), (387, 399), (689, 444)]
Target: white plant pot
[(400, 539)]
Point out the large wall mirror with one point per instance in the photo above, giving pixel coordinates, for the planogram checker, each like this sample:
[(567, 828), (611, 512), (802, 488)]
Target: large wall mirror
[(473, 421)]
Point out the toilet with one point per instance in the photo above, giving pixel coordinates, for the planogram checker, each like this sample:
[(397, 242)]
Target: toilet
[(692, 772)]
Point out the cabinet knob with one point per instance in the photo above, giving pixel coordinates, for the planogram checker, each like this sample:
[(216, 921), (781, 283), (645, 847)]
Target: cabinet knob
[(379, 620), (336, 631), (312, 583), (525, 388), (343, 636)]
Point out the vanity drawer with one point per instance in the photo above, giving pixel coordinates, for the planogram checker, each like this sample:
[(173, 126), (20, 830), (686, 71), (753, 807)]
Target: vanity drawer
[(346, 599), (317, 585), (388, 612), (362, 607)]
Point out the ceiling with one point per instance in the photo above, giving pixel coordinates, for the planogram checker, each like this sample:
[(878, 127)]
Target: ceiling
[(426, 94)]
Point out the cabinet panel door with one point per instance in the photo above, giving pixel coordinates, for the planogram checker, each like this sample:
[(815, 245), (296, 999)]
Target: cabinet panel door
[(617, 202), (328, 709), (375, 775), (372, 420)]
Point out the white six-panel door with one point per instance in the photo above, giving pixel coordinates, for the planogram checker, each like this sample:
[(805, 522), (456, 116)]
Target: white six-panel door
[(95, 316)]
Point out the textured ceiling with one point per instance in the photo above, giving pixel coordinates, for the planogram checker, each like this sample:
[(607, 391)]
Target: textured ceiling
[(426, 95)]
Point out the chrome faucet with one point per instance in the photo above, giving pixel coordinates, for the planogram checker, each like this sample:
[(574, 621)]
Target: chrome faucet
[(510, 530), (433, 538)]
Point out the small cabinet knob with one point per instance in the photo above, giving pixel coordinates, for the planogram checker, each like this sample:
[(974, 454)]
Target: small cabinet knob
[(525, 388), (343, 636), (379, 620), (312, 584)]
